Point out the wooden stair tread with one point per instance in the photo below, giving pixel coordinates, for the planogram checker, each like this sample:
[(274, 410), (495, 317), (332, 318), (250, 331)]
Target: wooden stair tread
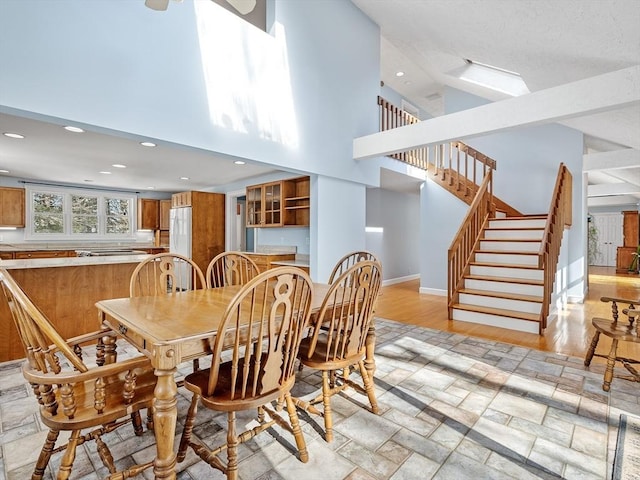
[(490, 278), (505, 265), (519, 229), (507, 252), (534, 216), (531, 317), (521, 240), (509, 296)]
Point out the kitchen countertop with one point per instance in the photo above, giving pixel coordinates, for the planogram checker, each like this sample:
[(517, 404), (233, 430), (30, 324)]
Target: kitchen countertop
[(28, 247), (70, 261), (291, 263)]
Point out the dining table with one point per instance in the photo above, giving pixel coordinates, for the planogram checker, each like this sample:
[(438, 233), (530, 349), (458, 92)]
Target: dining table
[(175, 328)]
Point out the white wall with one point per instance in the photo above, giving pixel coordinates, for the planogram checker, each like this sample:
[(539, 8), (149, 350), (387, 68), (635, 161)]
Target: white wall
[(441, 214), (340, 223), (398, 245)]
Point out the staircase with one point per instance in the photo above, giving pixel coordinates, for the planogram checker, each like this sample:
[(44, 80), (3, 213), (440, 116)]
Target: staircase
[(501, 264), (505, 286)]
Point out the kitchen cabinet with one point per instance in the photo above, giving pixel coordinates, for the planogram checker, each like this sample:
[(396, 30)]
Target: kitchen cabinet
[(12, 207), (278, 204), (148, 214), (264, 261), (207, 225), (44, 254), (165, 209)]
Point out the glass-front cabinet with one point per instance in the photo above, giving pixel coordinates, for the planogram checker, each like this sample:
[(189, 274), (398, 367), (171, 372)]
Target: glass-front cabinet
[(264, 205), (279, 204)]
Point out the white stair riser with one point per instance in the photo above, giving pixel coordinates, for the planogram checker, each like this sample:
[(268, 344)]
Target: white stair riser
[(496, 321), (502, 303), (504, 287), (524, 273), (507, 258), (505, 246), (519, 223), (509, 234)]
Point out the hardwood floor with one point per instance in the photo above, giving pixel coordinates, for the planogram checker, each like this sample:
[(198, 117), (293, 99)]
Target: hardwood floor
[(569, 334)]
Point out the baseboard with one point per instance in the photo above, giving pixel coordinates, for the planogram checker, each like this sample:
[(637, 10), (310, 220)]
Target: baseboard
[(433, 291), (393, 281)]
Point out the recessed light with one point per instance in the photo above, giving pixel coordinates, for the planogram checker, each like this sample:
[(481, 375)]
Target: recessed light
[(88, 181), (408, 82), (151, 188), (118, 165), (184, 178), (147, 144), (71, 128), (105, 172), (239, 162), (4, 171), (13, 135), (399, 74)]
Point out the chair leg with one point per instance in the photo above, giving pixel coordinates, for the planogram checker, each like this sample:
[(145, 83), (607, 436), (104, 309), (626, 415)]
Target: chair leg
[(69, 456), (592, 349), (369, 386), (611, 363), (232, 448), (136, 421), (326, 402), (297, 431), (188, 428), (150, 425), (45, 455)]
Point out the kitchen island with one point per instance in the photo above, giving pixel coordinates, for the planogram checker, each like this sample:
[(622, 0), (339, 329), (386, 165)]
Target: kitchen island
[(65, 289)]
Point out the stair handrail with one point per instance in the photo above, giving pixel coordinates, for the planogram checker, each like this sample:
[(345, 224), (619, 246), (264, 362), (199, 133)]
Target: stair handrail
[(467, 238), (560, 216), (453, 165)]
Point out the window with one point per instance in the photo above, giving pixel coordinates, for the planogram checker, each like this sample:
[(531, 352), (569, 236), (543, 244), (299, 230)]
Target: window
[(56, 213)]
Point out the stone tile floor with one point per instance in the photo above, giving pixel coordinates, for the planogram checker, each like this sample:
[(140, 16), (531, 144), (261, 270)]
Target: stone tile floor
[(452, 407)]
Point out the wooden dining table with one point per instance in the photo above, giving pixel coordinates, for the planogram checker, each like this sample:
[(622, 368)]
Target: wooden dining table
[(175, 328)]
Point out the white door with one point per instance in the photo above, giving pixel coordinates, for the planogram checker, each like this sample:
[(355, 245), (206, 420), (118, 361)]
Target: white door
[(609, 238)]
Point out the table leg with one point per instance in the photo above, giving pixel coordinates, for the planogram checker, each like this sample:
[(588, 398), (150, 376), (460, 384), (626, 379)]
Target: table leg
[(370, 342), (165, 416)]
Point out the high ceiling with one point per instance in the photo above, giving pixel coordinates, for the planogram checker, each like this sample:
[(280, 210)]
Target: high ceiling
[(549, 42)]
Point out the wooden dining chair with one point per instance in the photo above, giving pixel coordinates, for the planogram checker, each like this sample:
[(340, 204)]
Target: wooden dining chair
[(230, 268), (338, 337), (86, 396), (625, 330), (348, 261), (252, 363), (165, 273)]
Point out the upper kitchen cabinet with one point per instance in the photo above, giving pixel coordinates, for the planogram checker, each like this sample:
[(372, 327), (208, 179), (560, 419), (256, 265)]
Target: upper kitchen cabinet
[(279, 204), (165, 209), (148, 214), (12, 207)]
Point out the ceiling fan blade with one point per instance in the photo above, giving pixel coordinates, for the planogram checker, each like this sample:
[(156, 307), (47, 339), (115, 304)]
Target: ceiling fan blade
[(243, 6), (157, 4)]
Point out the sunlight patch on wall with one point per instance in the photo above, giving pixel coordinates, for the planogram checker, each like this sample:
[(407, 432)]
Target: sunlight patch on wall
[(247, 76)]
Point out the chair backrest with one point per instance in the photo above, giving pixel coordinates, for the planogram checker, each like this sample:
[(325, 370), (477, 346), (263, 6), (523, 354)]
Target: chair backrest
[(165, 273), (348, 261), (263, 327), (341, 326), (39, 337), (230, 268)]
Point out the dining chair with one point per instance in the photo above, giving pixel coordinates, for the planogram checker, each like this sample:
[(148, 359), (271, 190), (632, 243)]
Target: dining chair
[(164, 273), (338, 338), (625, 331), (253, 355), (86, 395), (349, 260), (230, 268)]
